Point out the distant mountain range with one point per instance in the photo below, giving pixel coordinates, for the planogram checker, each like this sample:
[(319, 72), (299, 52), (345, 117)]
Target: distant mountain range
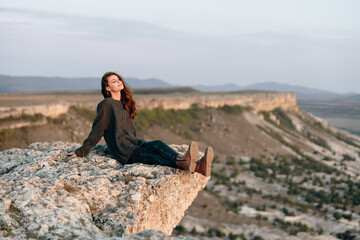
[(12, 84), (301, 91)]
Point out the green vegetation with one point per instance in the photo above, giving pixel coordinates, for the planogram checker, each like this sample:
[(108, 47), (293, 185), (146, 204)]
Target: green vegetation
[(187, 134), (23, 117), (347, 157), (59, 120), (230, 160), (312, 165), (232, 205), (287, 200), (233, 110), (287, 212), (285, 121), (315, 124), (286, 124), (215, 232), (347, 235), (167, 118), (342, 193), (338, 135), (280, 114), (278, 137), (316, 139), (221, 178), (251, 191), (338, 216), (180, 228), (305, 162), (292, 227), (6, 133), (266, 116), (211, 232), (288, 166), (260, 168), (347, 140), (232, 236), (85, 112)]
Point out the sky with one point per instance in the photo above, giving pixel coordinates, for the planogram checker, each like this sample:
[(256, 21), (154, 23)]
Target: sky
[(312, 43)]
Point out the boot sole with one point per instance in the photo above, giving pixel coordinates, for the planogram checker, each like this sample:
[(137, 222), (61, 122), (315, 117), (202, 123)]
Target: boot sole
[(194, 151), (209, 156)]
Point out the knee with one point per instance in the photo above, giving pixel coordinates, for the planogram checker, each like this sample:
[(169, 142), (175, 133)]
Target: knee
[(158, 142)]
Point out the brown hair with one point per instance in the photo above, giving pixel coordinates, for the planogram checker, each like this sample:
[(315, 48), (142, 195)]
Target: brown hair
[(126, 94)]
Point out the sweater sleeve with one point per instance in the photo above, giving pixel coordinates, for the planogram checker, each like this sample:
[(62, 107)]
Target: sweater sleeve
[(99, 127), (133, 122)]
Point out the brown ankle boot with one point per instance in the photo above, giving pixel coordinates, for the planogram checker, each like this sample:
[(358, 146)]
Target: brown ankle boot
[(203, 166), (188, 161)]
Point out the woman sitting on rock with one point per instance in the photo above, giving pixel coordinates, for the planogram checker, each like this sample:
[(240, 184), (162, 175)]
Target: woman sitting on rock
[(115, 121)]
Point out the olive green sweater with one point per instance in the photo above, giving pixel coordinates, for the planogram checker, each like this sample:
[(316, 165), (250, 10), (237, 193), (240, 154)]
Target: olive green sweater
[(114, 123)]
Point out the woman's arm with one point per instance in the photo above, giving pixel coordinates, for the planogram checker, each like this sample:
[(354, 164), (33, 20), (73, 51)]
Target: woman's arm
[(99, 127)]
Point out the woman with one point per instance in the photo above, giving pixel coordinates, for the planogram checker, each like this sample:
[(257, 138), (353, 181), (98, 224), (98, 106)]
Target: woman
[(115, 122)]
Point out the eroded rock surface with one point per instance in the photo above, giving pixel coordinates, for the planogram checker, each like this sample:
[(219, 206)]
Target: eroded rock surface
[(45, 195)]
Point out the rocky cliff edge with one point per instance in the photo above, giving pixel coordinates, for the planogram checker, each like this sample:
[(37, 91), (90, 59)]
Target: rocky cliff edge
[(45, 195)]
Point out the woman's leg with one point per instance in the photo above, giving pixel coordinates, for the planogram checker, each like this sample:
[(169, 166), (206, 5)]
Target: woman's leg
[(185, 162), (157, 152), (162, 149), (147, 156)]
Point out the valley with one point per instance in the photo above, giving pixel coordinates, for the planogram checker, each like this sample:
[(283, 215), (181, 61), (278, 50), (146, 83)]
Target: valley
[(343, 113), (279, 172)]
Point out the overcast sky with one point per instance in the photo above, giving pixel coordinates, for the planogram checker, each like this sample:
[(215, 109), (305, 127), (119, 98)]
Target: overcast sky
[(313, 43)]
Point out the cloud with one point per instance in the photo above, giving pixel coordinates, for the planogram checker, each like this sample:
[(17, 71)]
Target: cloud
[(103, 28), (46, 43)]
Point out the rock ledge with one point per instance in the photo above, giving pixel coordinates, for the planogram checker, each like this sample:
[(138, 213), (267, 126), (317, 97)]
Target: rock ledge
[(45, 195)]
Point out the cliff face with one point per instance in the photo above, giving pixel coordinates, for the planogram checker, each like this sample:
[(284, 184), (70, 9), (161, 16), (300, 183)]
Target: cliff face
[(260, 101), (44, 194), (48, 110)]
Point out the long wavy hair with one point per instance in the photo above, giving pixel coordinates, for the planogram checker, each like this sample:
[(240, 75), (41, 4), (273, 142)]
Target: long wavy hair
[(126, 94)]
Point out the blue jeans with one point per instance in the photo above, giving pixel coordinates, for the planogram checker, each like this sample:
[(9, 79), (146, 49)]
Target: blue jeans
[(154, 153)]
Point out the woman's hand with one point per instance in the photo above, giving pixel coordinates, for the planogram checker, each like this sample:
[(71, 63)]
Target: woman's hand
[(71, 155)]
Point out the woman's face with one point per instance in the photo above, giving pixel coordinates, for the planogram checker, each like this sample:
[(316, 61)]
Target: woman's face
[(114, 84)]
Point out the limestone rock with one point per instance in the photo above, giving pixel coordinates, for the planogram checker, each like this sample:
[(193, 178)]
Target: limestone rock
[(48, 110), (259, 101), (45, 195)]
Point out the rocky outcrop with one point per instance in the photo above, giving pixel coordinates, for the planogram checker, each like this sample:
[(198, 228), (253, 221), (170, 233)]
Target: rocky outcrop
[(22, 123), (259, 101), (45, 195), (48, 110)]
